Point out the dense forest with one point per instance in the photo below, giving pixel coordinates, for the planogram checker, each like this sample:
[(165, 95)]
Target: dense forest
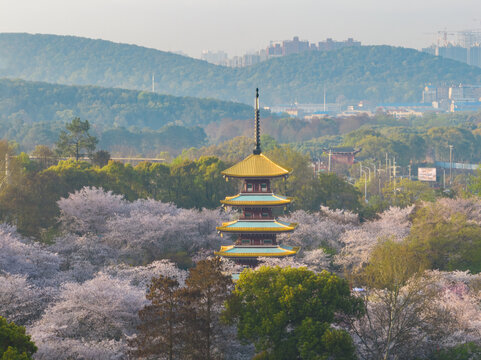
[(126, 121), (38, 102), (376, 73)]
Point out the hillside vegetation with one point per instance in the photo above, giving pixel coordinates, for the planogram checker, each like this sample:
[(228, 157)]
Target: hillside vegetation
[(111, 107), (126, 121), (376, 73)]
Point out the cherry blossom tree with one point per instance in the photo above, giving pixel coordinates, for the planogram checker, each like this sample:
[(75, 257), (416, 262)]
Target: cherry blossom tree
[(22, 302), (22, 257), (141, 276), (143, 236), (358, 243), (470, 207), (102, 311), (88, 209), (321, 229)]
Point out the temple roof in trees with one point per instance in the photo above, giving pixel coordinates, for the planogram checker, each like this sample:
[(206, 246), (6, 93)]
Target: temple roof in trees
[(257, 226), (256, 166), (257, 251), (256, 200)]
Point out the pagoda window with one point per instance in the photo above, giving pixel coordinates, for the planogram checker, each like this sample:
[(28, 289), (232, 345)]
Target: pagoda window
[(267, 242), (246, 242), (248, 214), (249, 187), (265, 214), (264, 187)]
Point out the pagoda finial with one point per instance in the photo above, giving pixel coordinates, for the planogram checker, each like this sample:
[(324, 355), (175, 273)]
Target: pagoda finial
[(257, 150)]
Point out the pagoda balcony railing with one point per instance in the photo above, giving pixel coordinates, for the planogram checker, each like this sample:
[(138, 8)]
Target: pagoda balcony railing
[(245, 192), (258, 245)]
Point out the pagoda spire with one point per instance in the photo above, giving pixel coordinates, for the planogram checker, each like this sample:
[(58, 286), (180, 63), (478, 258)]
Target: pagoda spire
[(257, 150)]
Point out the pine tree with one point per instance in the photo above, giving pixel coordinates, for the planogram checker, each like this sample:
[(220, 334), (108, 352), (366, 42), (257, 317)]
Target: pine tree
[(206, 291), (159, 328), (76, 138)]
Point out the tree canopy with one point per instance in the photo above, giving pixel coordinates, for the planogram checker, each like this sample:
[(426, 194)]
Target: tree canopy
[(75, 139), (287, 313), (14, 343)]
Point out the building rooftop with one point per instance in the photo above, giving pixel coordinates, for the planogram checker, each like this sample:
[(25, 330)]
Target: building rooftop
[(256, 166)]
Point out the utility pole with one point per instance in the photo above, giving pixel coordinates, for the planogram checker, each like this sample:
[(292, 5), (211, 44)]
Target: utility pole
[(329, 161), (390, 173), (394, 173), (365, 183), (7, 168), (409, 167), (450, 164), (324, 97)]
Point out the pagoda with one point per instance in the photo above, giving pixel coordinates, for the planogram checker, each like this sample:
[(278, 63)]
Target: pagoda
[(257, 228)]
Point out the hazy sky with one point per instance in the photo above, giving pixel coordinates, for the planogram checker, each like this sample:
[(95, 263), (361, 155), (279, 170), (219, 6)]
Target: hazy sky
[(237, 26)]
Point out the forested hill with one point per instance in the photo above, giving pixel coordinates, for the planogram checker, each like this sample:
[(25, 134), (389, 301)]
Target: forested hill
[(109, 107), (377, 73)]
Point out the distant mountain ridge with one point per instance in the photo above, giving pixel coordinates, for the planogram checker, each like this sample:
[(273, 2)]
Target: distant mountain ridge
[(374, 73)]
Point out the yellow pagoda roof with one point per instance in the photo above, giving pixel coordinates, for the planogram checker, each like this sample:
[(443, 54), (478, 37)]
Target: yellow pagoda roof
[(256, 166), (257, 251)]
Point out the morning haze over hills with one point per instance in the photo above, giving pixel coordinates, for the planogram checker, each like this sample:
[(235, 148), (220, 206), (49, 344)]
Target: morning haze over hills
[(149, 211), (373, 73)]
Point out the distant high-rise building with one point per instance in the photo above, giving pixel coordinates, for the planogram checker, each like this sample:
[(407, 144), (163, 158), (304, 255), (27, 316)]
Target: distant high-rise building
[(214, 57), (429, 94), (454, 52), (465, 48), (294, 46), (475, 56), (275, 49), (329, 44)]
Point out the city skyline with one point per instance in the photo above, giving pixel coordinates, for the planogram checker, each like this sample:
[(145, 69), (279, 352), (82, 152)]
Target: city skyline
[(238, 27)]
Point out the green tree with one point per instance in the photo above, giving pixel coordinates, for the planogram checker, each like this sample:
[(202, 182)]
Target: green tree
[(406, 192), (287, 313), (336, 193), (159, 328), (468, 351), (15, 344), (207, 288), (475, 182), (400, 303), (302, 183), (76, 139), (154, 181), (100, 158), (183, 323), (45, 155), (449, 242), (30, 202)]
